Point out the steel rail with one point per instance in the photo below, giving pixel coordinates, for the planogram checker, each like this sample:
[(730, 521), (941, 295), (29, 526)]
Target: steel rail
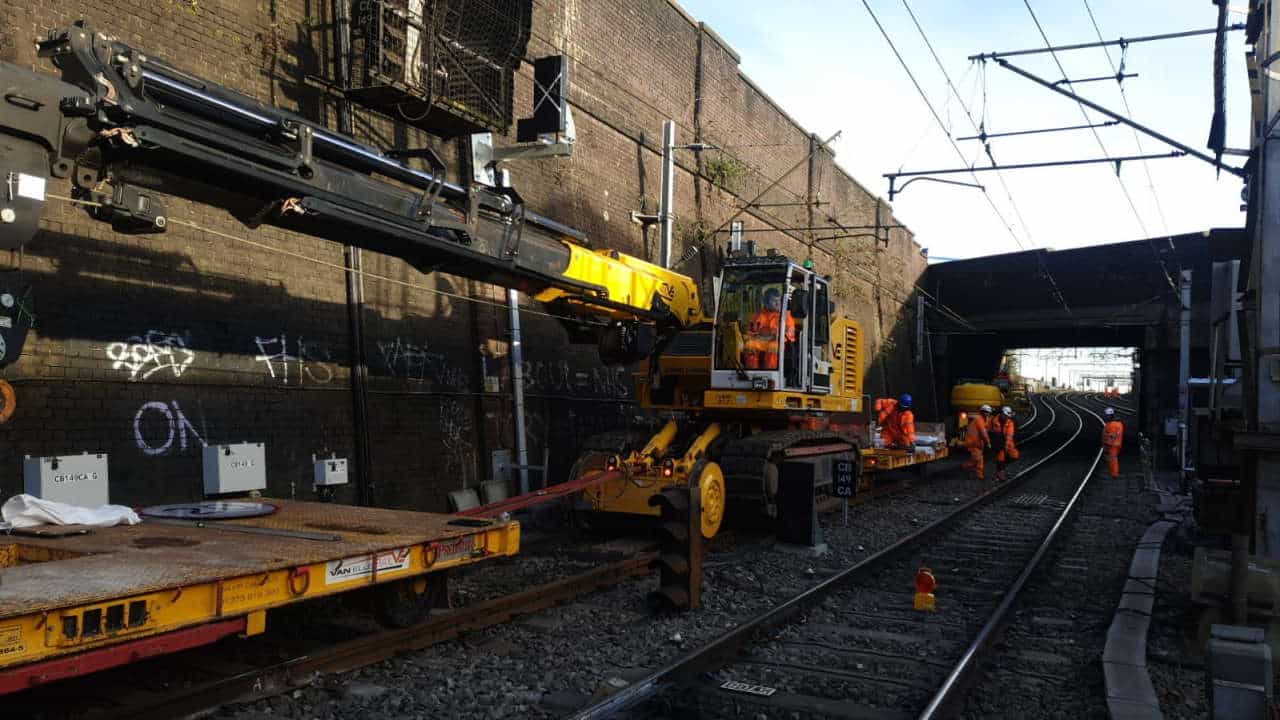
[(705, 657), (282, 677), (948, 696), (1035, 412), (1053, 419)]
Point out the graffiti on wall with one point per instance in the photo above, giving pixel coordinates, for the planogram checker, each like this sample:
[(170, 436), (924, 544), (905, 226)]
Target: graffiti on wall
[(301, 361), (155, 351), (456, 433), (162, 428), (409, 360), (556, 376)]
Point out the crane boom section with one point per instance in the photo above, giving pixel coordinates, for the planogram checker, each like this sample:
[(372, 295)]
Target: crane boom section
[(129, 130), (631, 282)]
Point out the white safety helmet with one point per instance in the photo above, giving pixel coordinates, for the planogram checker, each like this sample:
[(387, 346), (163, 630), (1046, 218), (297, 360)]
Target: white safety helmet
[(986, 409), (1109, 412), (1008, 411)]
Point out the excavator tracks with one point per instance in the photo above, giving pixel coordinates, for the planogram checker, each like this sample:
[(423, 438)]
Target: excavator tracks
[(752, 466)]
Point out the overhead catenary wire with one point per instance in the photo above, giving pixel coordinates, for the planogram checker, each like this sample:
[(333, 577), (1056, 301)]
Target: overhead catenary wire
[(830, 216), (1026, 230), (1054, 289), (941, 125), (579, 62), (1101, 145), (1137, 138), (1124, 98)]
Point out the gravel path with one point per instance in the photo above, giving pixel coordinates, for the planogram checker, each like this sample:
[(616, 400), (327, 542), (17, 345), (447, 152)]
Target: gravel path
[(1175, 657)]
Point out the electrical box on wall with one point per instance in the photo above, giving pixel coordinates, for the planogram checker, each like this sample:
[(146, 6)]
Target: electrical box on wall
[(330, 471), (73, 479), (238, 468)]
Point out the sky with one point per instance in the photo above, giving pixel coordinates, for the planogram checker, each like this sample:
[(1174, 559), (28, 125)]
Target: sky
[(829, 67)]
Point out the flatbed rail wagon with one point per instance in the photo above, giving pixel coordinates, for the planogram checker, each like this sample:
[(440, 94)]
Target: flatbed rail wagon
[(75, 602)]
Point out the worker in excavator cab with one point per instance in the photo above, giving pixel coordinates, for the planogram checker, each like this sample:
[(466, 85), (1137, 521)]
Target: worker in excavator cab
[(1112, 440), (761, 351), (976, 441), (898, 428), (1006, 447)]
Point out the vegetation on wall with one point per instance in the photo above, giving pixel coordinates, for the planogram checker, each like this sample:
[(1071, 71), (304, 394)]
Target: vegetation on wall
[(726, 171)]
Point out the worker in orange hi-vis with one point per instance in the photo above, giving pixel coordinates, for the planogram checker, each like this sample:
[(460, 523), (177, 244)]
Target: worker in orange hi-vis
[(1112, 439), (1007, 449), (976, 440), (898, 427), (761, 352), (884, 408)]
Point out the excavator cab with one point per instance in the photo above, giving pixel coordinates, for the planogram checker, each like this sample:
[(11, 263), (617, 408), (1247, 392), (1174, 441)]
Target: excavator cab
[(773, 327)]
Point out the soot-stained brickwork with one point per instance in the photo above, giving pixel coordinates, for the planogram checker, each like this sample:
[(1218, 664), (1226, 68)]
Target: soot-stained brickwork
[(147, 347)]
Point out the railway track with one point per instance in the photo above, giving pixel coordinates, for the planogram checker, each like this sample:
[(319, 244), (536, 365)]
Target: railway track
[(852, 647), (253, 675), (266, 672)]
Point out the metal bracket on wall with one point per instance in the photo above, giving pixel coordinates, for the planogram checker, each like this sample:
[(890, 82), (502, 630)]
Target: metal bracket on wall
[(501, 466)]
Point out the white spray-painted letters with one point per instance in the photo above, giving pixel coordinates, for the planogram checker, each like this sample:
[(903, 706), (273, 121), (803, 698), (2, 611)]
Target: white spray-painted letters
[(156, 351), (161, 428)]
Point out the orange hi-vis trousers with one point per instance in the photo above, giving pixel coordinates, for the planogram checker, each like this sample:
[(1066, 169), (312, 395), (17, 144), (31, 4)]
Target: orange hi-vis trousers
[(976, 463), (1113, 460)]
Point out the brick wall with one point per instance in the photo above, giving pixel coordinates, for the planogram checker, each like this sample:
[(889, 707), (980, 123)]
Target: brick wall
[(148, 346)]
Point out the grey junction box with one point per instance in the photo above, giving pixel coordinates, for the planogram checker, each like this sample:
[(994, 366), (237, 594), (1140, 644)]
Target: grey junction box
[(72, 479), (238, 468), (330, 471)]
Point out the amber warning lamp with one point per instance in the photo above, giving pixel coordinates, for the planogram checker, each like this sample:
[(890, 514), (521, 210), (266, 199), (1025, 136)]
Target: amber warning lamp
[(925, 585)]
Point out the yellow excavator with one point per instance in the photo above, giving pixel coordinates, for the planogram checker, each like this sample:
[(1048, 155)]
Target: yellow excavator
[(776, 377), (774, 374)]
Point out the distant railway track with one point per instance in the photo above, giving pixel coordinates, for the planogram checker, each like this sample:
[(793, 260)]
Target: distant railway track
[(852, 646)]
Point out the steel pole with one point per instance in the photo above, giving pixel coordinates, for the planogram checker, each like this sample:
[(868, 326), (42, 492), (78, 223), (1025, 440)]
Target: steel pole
[(517, 389), (1184, 366), (353, 261), (1262, 467), (666, 212)]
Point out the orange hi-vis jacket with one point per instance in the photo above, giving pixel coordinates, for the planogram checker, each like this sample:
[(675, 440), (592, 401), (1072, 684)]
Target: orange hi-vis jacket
[(884, 408), (1008, 427), (900, 429), (976, 436), (1113, 436), (765, 324)]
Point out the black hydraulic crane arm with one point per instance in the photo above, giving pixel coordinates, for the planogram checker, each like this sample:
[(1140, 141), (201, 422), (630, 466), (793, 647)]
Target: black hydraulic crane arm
[(124, 127)]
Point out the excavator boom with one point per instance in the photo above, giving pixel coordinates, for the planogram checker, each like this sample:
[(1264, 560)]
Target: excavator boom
[(125, 127)]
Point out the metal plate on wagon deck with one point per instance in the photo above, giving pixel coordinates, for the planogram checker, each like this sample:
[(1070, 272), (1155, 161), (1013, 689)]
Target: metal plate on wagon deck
[(748, 688), (209, 510)]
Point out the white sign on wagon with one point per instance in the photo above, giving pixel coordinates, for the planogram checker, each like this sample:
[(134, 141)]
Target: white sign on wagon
[(361, 566)]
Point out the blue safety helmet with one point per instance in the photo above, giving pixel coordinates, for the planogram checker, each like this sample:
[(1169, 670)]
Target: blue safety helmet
[(905, 400)]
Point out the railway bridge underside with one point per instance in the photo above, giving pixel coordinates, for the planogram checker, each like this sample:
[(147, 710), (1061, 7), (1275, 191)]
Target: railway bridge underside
[(1122, 294)]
